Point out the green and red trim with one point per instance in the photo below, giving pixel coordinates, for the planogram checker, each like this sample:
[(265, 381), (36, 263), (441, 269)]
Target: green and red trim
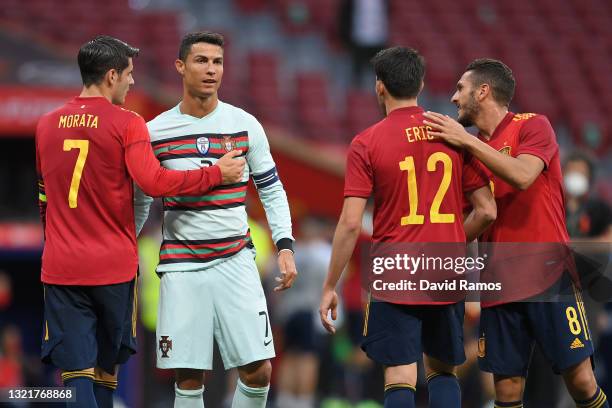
[(175, 251)]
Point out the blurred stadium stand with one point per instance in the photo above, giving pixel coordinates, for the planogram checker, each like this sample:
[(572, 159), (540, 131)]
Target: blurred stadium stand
[(284, 57)]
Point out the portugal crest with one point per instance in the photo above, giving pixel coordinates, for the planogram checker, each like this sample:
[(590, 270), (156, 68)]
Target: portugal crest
[(482, 351), (228, 143), (203, 144), (165, 345)]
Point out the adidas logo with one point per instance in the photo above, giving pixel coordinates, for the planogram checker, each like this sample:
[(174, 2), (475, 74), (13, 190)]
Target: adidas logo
[(576, 344)]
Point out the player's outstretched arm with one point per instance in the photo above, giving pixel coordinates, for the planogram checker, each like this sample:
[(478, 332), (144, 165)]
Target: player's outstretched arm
[(484, 212), (520, 172), (345, 238), (157, 181)]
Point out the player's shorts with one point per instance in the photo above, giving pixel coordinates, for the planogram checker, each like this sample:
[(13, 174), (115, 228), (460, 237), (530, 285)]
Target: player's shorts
[(509, 332), (397, 334), (300, 333), (89, 326), (225, 302)]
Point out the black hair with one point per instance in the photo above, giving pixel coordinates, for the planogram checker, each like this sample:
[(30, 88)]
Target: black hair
[(497, 75), (102, 54), (401, 70), (198, 37), (582, 156)]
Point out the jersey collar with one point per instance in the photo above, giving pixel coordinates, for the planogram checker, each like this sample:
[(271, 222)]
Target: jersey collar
[(177, 109), (91, 99), (500, 128), (407, 109)]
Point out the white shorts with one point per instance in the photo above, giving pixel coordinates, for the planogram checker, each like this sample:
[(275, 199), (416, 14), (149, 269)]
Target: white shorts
[(225, 302)]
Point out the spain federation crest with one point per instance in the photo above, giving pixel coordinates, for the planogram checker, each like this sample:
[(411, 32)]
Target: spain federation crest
[(228, 143), (203, 144), (506, 150)]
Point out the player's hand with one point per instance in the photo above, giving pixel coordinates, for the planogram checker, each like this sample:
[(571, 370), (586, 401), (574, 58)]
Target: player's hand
[(232, 169), (329, 302), (288, 272), (447, 129)]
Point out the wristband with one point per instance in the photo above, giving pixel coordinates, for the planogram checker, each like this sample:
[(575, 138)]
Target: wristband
[(284, 244)]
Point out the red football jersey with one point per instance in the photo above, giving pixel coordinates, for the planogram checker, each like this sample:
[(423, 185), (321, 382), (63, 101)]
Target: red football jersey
[(87, 152), (534, 217), (417, 183), (536, 214)]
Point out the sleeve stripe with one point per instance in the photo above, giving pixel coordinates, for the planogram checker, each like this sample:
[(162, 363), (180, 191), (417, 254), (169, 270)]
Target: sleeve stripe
[(268, 173), (266, 179), (266, 184)]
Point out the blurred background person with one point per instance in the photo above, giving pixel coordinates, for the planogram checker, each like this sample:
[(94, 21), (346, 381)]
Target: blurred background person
[(364, 27), (589, 223), (588, 216), (296, 313)]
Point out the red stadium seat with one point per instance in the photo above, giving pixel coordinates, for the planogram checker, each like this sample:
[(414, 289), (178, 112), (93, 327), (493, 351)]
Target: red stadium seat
[(361, 111)]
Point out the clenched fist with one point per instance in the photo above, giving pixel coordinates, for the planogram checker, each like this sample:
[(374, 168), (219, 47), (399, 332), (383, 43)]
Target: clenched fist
[(232, 169)]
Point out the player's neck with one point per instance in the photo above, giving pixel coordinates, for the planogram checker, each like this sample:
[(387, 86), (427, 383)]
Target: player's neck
[(489, 119), (393, 104), (95, 91), (197, 106)]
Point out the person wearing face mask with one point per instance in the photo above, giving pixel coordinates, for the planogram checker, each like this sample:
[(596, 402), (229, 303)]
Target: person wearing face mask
[(587, 216), (590, 219)]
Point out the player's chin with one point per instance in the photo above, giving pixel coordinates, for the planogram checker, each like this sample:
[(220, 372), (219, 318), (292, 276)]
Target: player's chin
[(465, 120), (206, 92)]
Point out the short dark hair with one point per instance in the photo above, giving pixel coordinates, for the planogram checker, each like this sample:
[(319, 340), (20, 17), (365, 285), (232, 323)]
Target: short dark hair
[(401, 70), (199, 37), (102, 54), (583, 156), (495, 73)]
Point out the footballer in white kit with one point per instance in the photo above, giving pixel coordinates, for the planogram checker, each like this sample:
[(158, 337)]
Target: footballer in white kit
[(210, 286)]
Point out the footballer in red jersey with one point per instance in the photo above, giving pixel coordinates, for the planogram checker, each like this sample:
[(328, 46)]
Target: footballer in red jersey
[(418, 190), (521, 152), (89, 152)]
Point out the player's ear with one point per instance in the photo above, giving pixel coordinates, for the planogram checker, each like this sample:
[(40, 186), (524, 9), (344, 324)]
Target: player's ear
[(111, 77), (180, 66), (380, 88), (485, 89)]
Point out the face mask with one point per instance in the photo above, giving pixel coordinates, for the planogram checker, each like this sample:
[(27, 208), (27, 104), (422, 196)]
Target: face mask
[(576, 184)]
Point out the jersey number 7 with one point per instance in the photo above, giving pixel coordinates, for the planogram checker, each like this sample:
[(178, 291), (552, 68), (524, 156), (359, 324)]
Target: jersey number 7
[(413, 217), (83, 146)]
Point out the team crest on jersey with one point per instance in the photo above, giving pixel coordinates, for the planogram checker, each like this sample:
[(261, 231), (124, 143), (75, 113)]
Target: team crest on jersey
[(165, 345), (481, 347), (505, 150), (203, 144), (228, 143)]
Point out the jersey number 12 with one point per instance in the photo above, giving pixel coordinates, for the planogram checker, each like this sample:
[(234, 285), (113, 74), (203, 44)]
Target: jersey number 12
[(435, 217)]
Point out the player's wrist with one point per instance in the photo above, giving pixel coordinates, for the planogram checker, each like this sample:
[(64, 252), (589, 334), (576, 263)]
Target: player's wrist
[(284, 244), (329, 287), (469, 141), (216, 176)]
